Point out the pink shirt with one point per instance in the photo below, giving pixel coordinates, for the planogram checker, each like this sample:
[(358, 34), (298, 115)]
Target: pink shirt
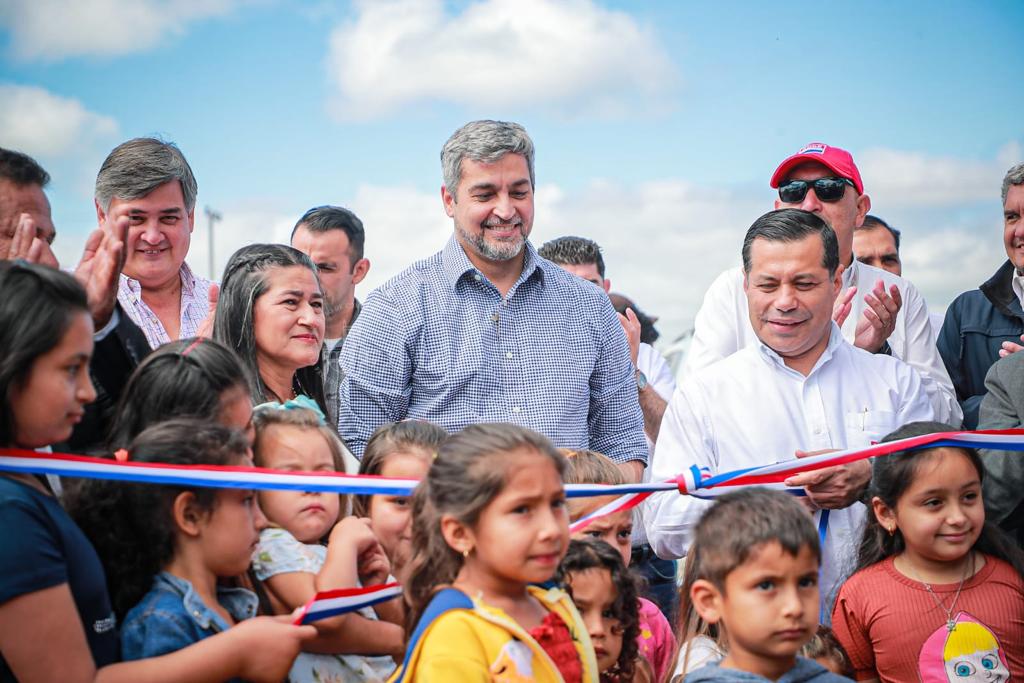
[(656, 641), (195, 303)]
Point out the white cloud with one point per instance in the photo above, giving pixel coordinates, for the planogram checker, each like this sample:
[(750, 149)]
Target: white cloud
[(50, 30), (241, 224), (403, 225), (899, 178), (946, 261), (41, 123), (570, 55)]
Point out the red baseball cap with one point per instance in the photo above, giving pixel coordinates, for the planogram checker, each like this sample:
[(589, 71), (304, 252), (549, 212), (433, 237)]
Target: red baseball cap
[(838, 160)]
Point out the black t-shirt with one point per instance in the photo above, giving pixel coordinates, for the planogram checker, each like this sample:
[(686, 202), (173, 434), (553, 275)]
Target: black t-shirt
[(40, 547)]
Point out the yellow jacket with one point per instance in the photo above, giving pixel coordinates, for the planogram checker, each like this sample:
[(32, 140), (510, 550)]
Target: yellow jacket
[(474, 642)]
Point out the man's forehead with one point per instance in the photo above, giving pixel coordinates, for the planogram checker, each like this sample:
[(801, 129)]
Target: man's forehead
[(810, 170), (506, 162), (164, 197), (320, 241), (875, 236), (777, 259)]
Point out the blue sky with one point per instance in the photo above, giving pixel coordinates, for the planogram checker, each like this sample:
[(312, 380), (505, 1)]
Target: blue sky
[(657, 124)]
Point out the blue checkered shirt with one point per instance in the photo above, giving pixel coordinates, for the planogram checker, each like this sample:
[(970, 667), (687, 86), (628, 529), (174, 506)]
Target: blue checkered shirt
[(439, 343)]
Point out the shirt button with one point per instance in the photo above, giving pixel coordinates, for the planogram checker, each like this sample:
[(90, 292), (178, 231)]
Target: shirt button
[(494, 317), (476, 276), (508, 354), (515, 409)]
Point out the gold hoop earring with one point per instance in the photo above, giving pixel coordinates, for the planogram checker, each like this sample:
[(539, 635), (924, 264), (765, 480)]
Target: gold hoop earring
[(891, 530)]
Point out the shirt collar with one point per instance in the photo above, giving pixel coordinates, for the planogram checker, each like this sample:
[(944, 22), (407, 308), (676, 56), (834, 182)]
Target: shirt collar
[(1017, 283), (239, 602), (850, 275), (456, 265), (834, 340), (188, 281)]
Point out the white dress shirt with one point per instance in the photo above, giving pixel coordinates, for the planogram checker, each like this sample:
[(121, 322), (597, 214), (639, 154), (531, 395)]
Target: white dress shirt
[(751, 409), (659, 377), (722, 327)]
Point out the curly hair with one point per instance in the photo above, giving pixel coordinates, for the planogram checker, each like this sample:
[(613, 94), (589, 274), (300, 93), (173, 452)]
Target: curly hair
[(131, 525), (592, 553)]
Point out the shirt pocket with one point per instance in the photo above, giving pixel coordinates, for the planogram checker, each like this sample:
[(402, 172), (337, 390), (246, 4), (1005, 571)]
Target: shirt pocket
[(868, 426)]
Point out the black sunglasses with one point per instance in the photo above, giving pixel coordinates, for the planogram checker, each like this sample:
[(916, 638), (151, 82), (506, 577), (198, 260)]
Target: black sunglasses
[(827, 189)]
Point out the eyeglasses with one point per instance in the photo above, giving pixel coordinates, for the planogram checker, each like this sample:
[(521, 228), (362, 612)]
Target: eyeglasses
[(827, 189)]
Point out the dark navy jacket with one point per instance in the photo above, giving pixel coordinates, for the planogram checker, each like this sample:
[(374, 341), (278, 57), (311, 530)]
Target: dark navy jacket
[(977, 323)]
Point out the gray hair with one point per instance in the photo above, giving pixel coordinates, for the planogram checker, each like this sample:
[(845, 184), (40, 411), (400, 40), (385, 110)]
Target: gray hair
[(137, 167), (484, 141), (1015, 176)]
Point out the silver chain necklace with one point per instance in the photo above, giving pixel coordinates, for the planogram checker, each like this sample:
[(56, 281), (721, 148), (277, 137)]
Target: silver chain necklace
[(950, 622)]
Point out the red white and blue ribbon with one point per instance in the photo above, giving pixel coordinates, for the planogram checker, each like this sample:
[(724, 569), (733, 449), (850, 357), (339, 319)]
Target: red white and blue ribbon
[(332, 603), (701, 484), (692, 482), (216, 476)]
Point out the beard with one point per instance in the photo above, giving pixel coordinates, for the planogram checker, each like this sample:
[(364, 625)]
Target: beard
[(492, 249)]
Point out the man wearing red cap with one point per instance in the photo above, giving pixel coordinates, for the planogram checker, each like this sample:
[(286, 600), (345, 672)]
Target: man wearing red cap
[(878, 311)]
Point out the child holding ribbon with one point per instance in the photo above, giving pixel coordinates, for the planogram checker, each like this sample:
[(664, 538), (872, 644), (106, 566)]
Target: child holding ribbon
[(489, 524), (939, 593), (56, 619), (306, 549)]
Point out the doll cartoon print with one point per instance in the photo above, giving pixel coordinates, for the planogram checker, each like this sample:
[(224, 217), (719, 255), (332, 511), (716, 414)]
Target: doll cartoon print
[(969, 652)]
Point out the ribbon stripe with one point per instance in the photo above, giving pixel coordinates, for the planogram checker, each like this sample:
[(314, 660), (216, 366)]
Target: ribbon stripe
[(326, 604)]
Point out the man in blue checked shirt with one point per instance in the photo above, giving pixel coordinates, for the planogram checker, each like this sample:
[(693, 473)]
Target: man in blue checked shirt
[(486, 330)]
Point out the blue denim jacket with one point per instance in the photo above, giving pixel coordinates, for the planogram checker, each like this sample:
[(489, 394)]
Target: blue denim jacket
[(173, 616)]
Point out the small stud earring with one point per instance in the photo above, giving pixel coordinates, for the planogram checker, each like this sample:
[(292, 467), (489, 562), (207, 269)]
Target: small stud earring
[(465, 553)]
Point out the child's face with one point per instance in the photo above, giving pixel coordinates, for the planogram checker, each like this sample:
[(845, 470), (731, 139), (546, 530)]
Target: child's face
[(390, 516), (522, 534), (768, 608), (594, 595), (308, 516), (46, 407), (616, 530), (941, 514), (231, 529)]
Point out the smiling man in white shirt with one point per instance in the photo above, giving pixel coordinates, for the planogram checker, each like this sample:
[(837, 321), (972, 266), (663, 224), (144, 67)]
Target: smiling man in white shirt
[(879, 312), (800, 388)]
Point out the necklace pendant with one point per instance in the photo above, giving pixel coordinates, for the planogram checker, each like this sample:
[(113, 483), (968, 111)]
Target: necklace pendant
[(951, 625)]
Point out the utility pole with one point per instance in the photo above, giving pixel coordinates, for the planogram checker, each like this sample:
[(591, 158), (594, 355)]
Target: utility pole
[(211, 218)]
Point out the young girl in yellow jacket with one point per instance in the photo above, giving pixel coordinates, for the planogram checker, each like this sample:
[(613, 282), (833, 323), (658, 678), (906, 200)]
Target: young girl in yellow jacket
[(489, 524)]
